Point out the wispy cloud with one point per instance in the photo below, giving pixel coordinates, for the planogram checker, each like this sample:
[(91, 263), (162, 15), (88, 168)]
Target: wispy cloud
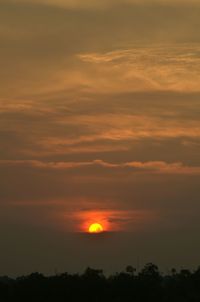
[(95, 4), (159, 167), (169, 67)]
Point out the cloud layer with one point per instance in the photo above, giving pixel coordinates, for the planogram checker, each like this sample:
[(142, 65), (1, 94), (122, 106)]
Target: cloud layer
[(92, 4), (99, 117)]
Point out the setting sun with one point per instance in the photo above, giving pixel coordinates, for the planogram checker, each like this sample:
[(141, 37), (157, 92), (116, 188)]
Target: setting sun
[(95, 228)]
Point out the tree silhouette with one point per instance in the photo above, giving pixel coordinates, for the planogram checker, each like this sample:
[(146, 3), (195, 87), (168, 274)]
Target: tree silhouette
[(148, 285), (130, 270)]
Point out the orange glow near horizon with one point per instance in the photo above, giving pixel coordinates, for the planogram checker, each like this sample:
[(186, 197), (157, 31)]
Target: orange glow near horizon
[(103, 221), (94, 222), (95, 228), (108, 221)]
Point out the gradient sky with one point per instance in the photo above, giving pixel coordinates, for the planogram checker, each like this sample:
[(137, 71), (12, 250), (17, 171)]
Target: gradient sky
[(99, 120)]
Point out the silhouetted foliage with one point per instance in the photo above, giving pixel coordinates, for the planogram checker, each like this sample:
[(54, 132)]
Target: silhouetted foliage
[(130, 269), (147, 285)]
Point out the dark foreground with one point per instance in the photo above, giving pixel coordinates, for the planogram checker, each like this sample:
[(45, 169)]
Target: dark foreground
[(148, 285)]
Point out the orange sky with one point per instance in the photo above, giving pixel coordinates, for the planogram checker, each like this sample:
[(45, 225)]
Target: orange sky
[(99, 122)]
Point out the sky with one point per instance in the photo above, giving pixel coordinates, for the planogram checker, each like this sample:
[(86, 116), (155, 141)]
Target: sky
[(99, 122)]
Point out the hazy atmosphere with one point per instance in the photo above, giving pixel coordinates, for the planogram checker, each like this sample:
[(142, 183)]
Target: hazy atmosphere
[(99, 122)]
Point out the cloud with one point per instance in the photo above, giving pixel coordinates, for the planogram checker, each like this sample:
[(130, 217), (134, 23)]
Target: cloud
[(173, 67), (144, 126), (95, 4), (139, 48), (159, 167)]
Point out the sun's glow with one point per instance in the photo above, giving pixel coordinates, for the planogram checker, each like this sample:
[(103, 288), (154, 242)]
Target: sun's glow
[(95, 228)]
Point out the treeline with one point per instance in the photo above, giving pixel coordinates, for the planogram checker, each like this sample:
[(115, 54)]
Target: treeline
[(147, 285)]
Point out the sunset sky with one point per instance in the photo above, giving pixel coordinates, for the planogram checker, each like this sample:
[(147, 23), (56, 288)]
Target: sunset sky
[(99, 122)]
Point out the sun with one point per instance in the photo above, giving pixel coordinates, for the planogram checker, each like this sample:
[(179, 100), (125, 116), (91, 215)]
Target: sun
[(95, 228)]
